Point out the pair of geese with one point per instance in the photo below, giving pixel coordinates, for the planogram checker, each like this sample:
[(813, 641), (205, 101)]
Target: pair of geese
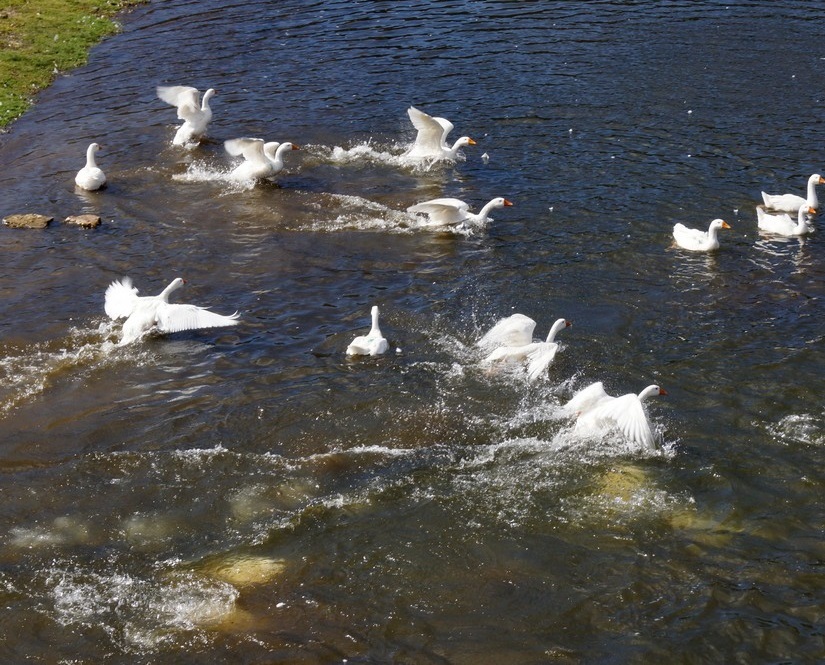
[(778, 222), (596, 412)]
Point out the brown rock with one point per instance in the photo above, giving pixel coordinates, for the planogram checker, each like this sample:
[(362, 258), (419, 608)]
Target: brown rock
[(84, 221), (28, 221)]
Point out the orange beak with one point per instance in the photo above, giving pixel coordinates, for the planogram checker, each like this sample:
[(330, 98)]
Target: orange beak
[(508, 203), (725, 225), (662, 391), (296, 147), (471, 142)]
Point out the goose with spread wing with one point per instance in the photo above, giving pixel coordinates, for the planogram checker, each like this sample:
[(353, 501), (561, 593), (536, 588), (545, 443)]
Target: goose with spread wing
[(194, 111), (260, 160), (431, 140), (539, 355), (455, 212), (145, 313), (597, 412)]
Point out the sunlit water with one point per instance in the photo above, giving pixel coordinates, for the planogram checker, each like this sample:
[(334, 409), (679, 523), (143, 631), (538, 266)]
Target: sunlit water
[(251, 494)]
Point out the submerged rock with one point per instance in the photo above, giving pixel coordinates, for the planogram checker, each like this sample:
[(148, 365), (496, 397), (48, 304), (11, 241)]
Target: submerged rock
[(241, 570), (84, 221), (28, 221)]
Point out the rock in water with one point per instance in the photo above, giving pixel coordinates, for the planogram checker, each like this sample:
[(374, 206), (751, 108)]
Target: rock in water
[(27, 221), (84, 221)]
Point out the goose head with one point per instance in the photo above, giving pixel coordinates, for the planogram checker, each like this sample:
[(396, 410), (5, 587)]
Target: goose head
[(650, 391), (460, 143), (717, 224)]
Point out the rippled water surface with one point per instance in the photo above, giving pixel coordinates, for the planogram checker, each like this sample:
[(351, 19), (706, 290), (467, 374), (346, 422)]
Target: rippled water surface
[(253, 495)]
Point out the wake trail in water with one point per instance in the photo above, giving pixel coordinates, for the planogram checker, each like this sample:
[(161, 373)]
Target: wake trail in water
[(28, 372)]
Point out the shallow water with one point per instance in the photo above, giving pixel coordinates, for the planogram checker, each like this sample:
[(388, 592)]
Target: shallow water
[(251, 494)]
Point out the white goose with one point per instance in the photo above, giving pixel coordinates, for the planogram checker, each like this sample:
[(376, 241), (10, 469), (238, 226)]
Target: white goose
[(143, 313), (448, 212), (371, 344), (514, 330), (793, 202), (261, 160), (598, 412), (90, 177), (196, 114), (782, 224), (431, 140), (538, 354), (696, 240)]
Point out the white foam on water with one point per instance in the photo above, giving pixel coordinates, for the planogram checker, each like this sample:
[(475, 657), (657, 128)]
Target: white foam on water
[(803, 428), (141, 613), (389, 155)]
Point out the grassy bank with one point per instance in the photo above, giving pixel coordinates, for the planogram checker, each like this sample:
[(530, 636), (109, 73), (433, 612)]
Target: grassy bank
[(40, 38)]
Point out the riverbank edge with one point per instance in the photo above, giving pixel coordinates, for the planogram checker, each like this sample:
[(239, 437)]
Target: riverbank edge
[(42, 39)]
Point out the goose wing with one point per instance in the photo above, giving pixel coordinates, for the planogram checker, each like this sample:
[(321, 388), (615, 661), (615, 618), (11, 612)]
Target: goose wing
[(627, 414), (539, 359), (251, 149), (432, 132), (587, 398), (515, 330), (442, 211), (185, 98), (174, 318)]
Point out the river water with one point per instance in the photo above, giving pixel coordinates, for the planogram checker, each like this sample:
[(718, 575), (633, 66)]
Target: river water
[(253, 495)]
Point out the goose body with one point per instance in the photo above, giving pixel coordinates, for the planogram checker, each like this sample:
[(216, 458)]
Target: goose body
[(783, 224), (598, 412), (451, 212), (538, 355), (793, 202), (144, 313), (195, 113), (697, 240), (371, 344), (431, 139), (90, 177), (260, 160)]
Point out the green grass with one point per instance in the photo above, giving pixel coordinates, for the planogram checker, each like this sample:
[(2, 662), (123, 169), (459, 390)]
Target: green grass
[(39, 38)]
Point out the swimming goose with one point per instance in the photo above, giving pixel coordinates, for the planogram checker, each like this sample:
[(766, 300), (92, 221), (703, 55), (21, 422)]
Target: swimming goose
[(446, 212), (793, 202), (196, 114), (598, 412), (697, 240), (371, 344), (261, 160), (431, 140), (782, 224), (143, 313), (90, 177)]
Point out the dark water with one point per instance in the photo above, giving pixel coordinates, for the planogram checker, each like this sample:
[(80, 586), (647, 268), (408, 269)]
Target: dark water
[(251, 495)]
